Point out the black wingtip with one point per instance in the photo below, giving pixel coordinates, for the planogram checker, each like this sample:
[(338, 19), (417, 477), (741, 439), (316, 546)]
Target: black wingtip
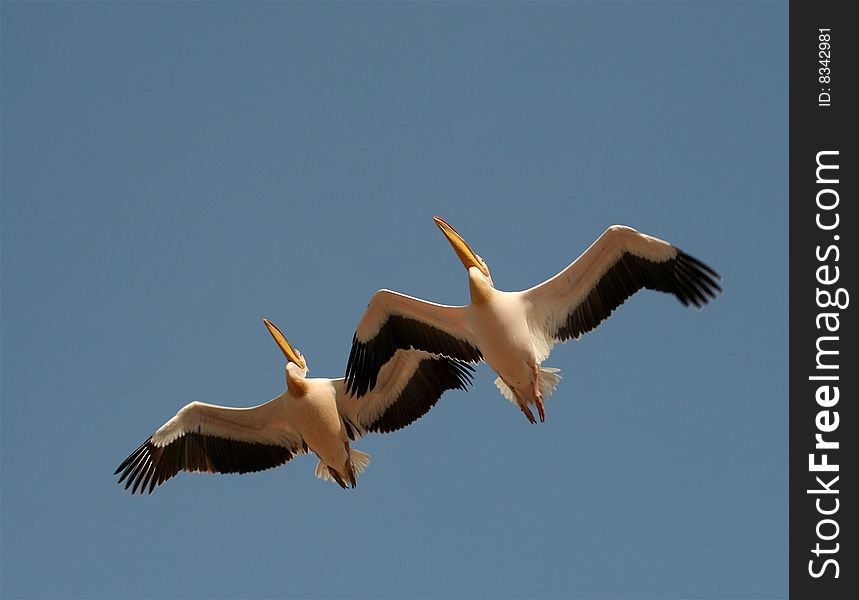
[(698, 263)]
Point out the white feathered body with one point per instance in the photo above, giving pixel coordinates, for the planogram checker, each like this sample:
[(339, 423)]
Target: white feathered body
[(314, 414), (501, 329)]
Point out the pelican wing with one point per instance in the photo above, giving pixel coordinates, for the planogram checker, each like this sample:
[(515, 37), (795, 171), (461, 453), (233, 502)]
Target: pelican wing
[(618, 264), (407, 387), (214, 439), (394, 321)]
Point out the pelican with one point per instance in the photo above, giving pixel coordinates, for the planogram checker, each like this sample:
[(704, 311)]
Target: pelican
[(310, 415), (514, 332)]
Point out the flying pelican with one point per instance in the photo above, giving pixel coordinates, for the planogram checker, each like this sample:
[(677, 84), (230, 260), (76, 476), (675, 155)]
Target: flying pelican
[(514, 332), (310, 415)]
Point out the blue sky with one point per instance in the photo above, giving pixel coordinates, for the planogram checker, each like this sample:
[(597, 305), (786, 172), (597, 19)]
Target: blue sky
[(174, 172)]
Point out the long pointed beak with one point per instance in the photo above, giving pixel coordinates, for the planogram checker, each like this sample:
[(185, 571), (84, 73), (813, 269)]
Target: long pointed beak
[(460, 246), (285, 347)]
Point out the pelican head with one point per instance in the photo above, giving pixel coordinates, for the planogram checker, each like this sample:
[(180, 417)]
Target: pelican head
[(468, 256), (295, 363)]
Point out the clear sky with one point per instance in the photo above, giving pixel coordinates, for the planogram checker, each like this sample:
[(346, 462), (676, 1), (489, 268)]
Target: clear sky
[(174, 172)]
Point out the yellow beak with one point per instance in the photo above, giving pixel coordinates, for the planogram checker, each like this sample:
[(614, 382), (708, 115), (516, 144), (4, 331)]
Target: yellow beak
[(462, 249), (285, 347)]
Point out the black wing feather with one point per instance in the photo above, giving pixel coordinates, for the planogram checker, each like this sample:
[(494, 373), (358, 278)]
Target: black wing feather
[(400, 333), (154, 465), (684, 276), (431, 379)]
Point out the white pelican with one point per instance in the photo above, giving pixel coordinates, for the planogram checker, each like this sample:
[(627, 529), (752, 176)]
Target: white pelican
[(515, 331), (310, 415)]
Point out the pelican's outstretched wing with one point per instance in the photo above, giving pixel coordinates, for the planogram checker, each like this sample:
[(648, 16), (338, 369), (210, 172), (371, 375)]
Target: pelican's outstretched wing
[(407, 386), (621, 262), (394, 321), (213, 439)]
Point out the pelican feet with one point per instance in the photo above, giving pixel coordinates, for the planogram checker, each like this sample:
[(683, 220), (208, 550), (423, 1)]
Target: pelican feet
[(338, 478), (528, 412), (541, 409), (538, 396), (350, 468)]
